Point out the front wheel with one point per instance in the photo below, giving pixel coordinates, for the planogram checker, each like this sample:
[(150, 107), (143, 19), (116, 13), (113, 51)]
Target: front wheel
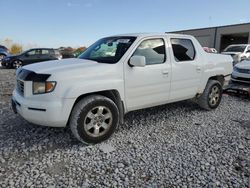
[(94, 119), (17, 64), (2, 56), (211, 97)]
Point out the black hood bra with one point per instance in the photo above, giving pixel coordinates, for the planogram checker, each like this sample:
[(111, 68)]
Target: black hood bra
[(27, 75)]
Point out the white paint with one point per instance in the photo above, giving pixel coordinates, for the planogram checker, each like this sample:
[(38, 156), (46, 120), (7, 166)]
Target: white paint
[(139, 87)]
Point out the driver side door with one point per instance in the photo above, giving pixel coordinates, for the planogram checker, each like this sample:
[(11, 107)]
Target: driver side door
[(31, 57)]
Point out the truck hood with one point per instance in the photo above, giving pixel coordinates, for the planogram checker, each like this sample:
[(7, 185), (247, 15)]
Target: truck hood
[(75, 69), (243, 65), (64, 65)]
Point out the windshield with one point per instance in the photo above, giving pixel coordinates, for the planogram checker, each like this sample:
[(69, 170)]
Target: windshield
[(235, 49), (21, 53), (108, 50)]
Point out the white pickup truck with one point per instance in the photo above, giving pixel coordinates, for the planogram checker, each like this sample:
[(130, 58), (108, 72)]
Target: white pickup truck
[(116, 75)]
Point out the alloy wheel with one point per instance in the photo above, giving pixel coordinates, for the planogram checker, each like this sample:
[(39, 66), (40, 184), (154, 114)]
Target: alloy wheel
[(98, 121), (17, 64), (214, 95)]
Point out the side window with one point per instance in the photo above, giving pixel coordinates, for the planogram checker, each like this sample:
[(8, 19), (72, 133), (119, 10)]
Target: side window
[(52, 52), (248, 49), (38, 52), (56, 52), (32, 52), (183, 49), (153, 50), (45, 52)]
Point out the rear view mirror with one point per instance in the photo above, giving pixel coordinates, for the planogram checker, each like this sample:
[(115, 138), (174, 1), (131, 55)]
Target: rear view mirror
[(137, 61)]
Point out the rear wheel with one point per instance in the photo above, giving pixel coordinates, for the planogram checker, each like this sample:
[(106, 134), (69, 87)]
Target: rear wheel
[(17, 64), (94, 119), (211, 97)]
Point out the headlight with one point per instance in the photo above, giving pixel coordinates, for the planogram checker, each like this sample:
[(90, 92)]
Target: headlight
[(43, 87)]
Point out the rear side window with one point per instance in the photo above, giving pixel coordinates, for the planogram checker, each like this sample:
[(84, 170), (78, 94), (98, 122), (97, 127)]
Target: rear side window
[(45, 52), (153, 50), (56, 52), (183, 49), (51, 52)]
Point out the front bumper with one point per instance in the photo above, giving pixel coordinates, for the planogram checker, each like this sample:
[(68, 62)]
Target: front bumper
[(238, 88), (240, 77), (6, 64), (46, 113)]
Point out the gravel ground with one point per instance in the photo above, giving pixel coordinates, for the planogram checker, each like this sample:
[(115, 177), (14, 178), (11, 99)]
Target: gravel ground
[(172, 145)]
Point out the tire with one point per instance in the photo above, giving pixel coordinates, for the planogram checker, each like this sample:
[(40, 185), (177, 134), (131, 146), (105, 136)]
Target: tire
[(2, 56), (17, 64), (211, 97), (94, 119)]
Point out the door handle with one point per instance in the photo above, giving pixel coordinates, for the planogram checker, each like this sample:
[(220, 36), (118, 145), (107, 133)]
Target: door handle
[(165, 72), (198, 69)]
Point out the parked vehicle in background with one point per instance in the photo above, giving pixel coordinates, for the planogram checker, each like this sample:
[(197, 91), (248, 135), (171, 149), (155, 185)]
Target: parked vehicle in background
[(213, 50), (67, 52), (241, 72), (3, 52), (238, 52), (117, 75), (31, 56), (210, 50)]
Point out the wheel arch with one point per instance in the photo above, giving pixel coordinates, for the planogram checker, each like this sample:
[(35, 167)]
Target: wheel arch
[(113, 94), (16, 59), (219, 78), (2, 53)]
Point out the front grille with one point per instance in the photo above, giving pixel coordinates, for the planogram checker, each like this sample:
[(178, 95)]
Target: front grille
[(246, 71), (20, 87), (241, 79)]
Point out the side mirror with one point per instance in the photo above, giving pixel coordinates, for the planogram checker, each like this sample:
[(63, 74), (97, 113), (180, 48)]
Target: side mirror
[(137, 61), (26, 55)]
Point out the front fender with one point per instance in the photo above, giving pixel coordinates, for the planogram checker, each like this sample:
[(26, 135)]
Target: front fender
[(78, 89), (4, 53)]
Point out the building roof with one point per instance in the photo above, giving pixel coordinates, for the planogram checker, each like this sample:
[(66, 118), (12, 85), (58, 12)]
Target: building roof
[(233, 25)]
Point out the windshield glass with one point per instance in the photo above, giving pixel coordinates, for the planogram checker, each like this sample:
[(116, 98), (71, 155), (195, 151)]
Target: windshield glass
[(108, 50), (24, 52), (235, 49)]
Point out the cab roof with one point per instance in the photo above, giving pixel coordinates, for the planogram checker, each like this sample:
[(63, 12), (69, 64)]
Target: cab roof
[(151, 34)]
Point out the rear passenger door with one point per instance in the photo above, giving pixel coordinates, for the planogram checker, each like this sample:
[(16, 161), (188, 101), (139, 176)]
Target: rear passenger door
[(45, 55), (186, 69)]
